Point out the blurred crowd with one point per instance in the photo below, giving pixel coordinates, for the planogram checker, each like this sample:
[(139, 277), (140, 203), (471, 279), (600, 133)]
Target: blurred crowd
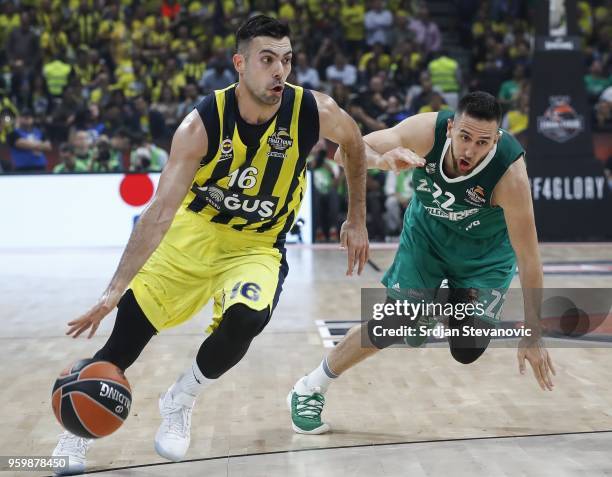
[(101, 85)]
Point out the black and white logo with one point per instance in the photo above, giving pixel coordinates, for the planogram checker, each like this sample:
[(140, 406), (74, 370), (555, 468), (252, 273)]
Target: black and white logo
[(430, 167), (279, 142), (237, 204), (560, 122), (107, 391)]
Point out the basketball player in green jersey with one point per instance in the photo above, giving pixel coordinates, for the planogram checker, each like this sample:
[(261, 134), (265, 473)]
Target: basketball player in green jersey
[(217, 224), (470, 220)]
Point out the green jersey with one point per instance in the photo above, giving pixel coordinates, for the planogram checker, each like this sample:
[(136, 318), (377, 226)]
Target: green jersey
[(463, 203)]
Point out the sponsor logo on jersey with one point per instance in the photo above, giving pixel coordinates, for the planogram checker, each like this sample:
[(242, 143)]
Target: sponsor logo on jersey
[(475, 196), (452, 216), (227, 150), (236, 204), (215, 194), (279, 142), (430, 167), (560, 122), (476, 223)]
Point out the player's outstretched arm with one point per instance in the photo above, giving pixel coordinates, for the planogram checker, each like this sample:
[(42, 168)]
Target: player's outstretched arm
[(401, 147), (337, 126), (513, 194), (189, 145)]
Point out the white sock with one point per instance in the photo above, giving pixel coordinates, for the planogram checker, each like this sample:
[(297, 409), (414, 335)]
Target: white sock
[(191, 382), (320, 377)]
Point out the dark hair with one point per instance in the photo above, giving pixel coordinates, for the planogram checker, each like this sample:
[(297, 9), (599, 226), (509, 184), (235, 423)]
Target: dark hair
[(480, 105), (260, 25)]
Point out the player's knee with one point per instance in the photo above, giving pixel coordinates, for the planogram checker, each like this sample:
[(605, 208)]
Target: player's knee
[(466, 356), (243, 323), (378, 331), (375, 338)]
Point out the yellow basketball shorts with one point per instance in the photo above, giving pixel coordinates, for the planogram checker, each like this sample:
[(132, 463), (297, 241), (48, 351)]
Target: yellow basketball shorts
[(198, 260)]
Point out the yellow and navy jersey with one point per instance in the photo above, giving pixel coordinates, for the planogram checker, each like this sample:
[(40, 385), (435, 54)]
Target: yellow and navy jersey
[(253, 177)]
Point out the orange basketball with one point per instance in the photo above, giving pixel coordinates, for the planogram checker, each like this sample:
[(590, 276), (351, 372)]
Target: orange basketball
[(91, 398)]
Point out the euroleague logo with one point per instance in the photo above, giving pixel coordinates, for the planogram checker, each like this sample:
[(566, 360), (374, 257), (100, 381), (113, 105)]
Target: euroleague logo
[(560, 122), (475, 196), (279, 142)]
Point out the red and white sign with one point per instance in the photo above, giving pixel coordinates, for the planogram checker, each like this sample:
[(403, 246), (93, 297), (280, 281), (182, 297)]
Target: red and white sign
[(80, 210)]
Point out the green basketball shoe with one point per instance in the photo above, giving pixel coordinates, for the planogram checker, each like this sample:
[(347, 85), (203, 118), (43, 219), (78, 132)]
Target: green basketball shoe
[(306, 405)]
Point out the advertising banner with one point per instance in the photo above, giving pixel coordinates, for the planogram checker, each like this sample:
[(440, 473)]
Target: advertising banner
[(570, 192), (85, 210)]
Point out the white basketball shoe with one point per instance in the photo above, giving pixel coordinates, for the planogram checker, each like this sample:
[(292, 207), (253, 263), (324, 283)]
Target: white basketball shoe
[(173, 436), (75, 448)]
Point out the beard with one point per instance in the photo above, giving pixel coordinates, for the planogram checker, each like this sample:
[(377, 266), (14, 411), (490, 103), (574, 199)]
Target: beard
[(455, 162), (263, 95)]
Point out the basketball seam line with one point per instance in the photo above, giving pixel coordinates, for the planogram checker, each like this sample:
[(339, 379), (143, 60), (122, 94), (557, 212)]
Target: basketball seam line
[(92, 364), (97, 403), (127, 390), (79, 417)]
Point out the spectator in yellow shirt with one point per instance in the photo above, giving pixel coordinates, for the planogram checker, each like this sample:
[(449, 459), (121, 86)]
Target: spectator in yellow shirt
[(516, 120), (382, 59), (9, 20), (352, 15), (101, 93), (86, 21), (84, 69), (158, 41), (132, 77), (436, 103), (53, 40), (44, 15), (195, 66), (182, 44), (114, 34), (172, 76), (286, 11)]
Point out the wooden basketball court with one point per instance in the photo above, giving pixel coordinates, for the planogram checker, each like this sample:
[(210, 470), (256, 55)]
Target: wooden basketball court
[(410, 412)]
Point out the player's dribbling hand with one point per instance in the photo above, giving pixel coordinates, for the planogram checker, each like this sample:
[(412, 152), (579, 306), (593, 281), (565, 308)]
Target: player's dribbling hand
[(107, 302), (354, 238), (400, 159), (539, 359)]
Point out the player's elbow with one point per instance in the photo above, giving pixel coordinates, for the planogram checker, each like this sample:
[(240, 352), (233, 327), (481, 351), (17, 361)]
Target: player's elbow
[(339, 156)]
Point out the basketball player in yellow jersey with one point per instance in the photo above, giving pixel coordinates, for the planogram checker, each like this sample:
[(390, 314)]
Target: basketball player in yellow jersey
[(217, 224)]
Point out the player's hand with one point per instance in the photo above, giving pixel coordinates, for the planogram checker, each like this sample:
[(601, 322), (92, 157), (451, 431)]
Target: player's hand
[(400, 159), (539, 359), (107, 302), (354, 238)]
